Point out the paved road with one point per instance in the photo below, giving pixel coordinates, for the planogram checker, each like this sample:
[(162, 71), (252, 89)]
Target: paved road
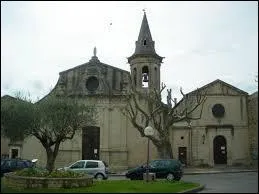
[(245, 182), (227, 182)]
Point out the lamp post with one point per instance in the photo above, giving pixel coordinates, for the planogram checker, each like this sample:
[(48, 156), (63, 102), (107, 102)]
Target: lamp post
[(149, 131)]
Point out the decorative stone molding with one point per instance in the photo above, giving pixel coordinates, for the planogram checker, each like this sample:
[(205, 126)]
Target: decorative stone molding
[(220, 127)]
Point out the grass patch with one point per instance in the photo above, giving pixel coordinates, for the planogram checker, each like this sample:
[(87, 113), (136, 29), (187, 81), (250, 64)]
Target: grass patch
[(117, 186)]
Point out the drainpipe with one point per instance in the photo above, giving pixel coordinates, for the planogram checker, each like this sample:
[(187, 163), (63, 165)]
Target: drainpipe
[(191, 145)]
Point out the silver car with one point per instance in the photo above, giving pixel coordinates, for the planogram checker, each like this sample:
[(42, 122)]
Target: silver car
[(95, 168)]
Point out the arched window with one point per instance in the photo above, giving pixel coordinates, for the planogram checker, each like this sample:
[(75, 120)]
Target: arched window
[(155, 77), (145, 77), (145, 42), (135, 76)]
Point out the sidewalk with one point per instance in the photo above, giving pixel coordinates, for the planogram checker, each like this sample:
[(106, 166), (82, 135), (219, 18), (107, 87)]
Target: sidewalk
[(216, 170), (194, 170)]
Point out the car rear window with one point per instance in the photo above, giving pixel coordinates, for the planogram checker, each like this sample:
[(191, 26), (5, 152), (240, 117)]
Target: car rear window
[(16, 163), (91, 164), (10, 163)]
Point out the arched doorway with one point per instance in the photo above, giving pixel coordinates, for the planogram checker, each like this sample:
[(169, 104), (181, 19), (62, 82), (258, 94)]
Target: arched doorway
[(90, 143), (220, 150)]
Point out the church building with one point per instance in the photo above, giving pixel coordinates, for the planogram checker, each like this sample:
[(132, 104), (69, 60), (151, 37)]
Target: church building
[(221, 136)]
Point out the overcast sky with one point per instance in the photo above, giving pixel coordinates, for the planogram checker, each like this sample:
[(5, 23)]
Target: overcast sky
[(201, 41)]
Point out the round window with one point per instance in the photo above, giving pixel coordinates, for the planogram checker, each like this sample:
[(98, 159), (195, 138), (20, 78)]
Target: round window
[(92, 83), (218, 110)]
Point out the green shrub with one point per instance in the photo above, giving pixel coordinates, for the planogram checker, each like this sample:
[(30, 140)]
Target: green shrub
[(65, 174), (30, 172), (37, 172)]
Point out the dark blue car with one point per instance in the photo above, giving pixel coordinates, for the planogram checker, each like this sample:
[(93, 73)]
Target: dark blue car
[(11, 165), (171, 169)]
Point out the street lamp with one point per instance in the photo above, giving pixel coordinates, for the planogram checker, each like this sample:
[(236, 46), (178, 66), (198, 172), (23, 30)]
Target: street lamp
[(149, 131)]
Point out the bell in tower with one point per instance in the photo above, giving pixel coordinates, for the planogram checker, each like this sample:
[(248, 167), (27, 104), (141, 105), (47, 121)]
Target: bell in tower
[(145, 62), (145, 77)]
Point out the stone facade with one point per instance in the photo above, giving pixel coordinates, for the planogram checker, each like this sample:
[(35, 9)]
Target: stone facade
[(253, 127), (233, 126), (4, 147), (121, 145)]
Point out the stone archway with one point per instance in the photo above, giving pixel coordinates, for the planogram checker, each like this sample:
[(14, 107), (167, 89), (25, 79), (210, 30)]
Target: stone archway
[(220, 150)]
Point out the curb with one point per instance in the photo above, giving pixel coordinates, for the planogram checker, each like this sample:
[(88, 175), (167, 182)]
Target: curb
[(195, 190), (195, 173), (219, 172)]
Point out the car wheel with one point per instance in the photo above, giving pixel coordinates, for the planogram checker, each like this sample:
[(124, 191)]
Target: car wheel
[(133, 177), (170, 177), (176, 178), (99, 176)]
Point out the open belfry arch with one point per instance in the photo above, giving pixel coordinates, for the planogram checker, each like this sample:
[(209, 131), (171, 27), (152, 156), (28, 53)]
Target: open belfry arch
[(145, 62)]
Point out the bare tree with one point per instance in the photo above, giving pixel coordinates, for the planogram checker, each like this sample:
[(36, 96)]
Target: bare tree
[(144, 109)]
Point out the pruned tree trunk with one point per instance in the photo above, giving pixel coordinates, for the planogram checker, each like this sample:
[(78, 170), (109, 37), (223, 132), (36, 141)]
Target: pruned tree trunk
[(165, 150), (50, 161), (51, 157), (147, 109)]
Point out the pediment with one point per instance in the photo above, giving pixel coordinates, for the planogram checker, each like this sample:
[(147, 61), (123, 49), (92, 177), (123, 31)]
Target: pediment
[(92, 78), (219, 87)]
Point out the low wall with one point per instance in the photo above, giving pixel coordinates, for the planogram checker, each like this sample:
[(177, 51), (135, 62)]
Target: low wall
[(14, 181)]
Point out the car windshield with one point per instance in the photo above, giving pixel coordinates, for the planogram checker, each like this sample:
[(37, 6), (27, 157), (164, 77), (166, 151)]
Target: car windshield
[(70, 164), (154, 163), (79, 164), (144, 165)]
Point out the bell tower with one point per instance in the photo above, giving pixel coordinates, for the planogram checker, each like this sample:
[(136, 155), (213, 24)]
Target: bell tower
[(145, 63)]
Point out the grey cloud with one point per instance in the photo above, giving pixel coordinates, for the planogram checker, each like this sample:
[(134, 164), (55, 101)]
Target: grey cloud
[(204, 51), (6, 86), (37, 85)]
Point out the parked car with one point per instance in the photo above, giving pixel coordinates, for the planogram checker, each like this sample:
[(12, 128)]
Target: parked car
[(96, 168), (171, 169), (11, 165)]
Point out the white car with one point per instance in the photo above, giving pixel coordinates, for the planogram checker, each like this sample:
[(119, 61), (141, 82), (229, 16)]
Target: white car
[(95, 168)]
